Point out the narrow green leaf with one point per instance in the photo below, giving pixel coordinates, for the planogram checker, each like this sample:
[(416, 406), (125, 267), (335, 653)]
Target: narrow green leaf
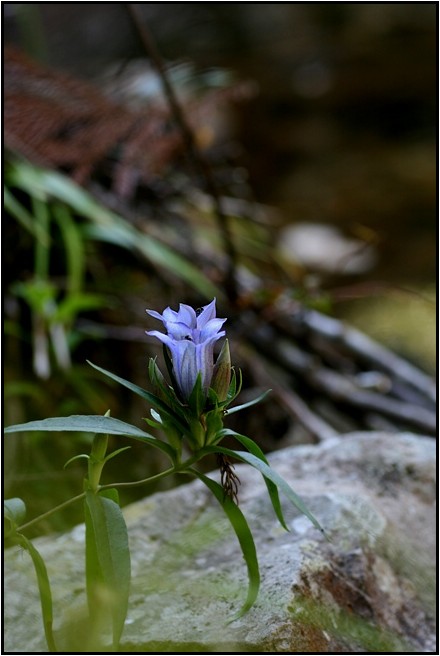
[(123, 234), (197, 398), (94, 576), (108, 557), (214, 423), (237, 408), (244, 535), (116, 453), (163, 390), (40, 210), (106, 225), (16, 209), (271, 487), (43, 588), (232, 391), (77, 302), (91, 424), (272, 475), (151, 398), (154, 424), (235, 386), (78, 457), (73, 246)]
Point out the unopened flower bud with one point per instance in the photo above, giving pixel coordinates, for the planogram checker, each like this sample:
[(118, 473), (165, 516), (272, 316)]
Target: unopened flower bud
[(221, 377)]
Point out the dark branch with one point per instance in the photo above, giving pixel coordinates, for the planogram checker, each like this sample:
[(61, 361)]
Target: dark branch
[(200, 164)]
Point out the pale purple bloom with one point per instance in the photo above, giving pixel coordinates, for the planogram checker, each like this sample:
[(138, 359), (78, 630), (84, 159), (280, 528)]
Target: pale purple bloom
[(190, 339)]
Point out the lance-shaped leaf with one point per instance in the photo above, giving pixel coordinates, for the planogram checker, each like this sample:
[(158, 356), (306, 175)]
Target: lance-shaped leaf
[(244, 535), (237, 408), (151, 398), (161, 388), (271, 487), (197, 398), (43, 588), (272, 475), (235, 386), (91, 424), (108, 569)]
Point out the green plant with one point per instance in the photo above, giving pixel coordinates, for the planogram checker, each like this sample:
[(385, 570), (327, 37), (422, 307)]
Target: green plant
[(102, 224), (190, 413), (54, 302)]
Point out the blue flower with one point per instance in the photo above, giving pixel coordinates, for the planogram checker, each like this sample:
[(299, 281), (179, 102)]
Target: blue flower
[(190, 339)]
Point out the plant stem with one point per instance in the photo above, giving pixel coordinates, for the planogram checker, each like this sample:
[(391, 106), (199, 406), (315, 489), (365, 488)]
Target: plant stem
[(50, 512), (172, 470), (156, 477), (42, 219)]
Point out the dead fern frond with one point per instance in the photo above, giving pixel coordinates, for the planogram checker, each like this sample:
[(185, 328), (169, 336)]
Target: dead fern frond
[(58, 121)]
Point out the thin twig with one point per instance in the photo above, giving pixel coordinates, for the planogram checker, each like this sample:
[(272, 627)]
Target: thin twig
[(359, 344), (339, 387), (199, 162), (295, 406)]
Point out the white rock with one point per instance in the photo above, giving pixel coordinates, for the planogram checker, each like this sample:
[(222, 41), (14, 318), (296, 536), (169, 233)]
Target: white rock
[(324, 249), (371, 588)]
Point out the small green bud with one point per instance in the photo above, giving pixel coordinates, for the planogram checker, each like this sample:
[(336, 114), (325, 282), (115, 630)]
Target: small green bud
[(221, 376), (159, 383)]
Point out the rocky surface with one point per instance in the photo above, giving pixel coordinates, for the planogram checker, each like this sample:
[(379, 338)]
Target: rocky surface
[(371, 588)]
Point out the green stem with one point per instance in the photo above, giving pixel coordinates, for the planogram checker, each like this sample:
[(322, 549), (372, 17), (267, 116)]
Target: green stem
[(42, 218), (142, 482), (51, 512), (182, 469), (96, 461)]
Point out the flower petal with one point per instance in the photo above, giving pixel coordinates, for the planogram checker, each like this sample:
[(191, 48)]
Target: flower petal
[(204, 360), (187, 315), (170, 315), (207, 313), (184, 366), (163, 338), (177, 330), (154, 314), (211, 329)]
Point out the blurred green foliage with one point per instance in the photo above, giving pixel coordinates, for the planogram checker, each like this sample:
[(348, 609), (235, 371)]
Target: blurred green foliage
[(61, 242)]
